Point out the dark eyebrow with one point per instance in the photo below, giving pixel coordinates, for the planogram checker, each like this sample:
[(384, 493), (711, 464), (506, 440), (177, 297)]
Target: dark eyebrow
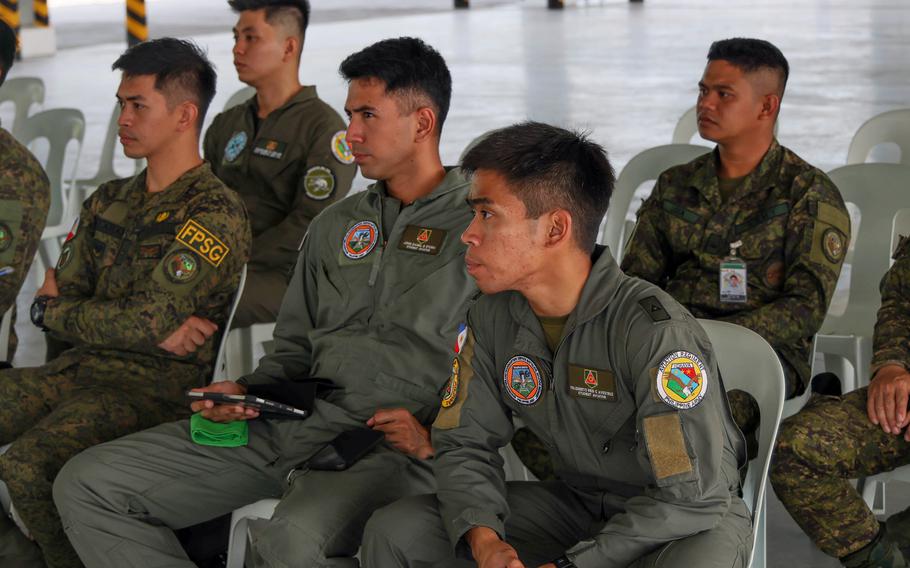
[(245, 29), (474, 201)]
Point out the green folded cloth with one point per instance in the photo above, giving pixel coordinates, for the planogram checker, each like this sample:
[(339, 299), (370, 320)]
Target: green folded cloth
[(222, 434)]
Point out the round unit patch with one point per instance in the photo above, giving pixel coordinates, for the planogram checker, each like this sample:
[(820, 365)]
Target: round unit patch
[(341, 149), (522, 380), (319, 182), (833, 245), (451, 392), (681, 380), (6, 237), (360, 240), (181, 266), (235, 145)]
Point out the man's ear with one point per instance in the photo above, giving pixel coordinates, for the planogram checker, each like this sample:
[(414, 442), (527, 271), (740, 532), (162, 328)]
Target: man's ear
[(291, 48), (559, 227), (426, 124), (189, 112), (770, 106)]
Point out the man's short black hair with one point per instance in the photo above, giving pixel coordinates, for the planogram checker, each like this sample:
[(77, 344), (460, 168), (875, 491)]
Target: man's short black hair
[(410, 69), (7, 49), (751, 55), (549, 168), (298, 11), (181, 70)]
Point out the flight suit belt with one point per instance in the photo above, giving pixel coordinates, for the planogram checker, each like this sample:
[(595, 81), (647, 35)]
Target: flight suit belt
[(593, 484)]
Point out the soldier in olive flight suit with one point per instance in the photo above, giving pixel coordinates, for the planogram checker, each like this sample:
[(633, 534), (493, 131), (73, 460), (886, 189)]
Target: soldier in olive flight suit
[(374, 306), (283, 150), (144, 279), (25, 197), (614, 376), (862, 433)]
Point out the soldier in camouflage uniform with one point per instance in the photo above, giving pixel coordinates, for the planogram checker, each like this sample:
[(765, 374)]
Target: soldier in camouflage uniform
[(25, 197), (144, 279), (283, 150), (862, 433)]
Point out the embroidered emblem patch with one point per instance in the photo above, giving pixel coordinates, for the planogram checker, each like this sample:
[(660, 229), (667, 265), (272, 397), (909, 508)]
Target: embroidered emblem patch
[(272, 149), (6, 237), (833, 245), (681, 380), (341, 149), (422, 239), (591, 378), (451, 392), (73, 229), (360, 240), (462, 336), (66, 254), (201, 240), (319, 183), (234, 146), (181, 266), (162, 217), (522, 380)]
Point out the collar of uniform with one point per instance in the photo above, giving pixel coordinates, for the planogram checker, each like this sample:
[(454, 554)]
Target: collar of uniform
[(704, 178), (305, 93), (185, 180), (453, 181)]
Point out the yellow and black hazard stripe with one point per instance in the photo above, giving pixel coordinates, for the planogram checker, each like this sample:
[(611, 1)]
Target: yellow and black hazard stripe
[(137, 29), (42, 17), (9, 13)]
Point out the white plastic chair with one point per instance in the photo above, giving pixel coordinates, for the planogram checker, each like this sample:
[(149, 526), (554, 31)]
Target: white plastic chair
[(6, 325), (892, 126), (748, 363), (646, 166), (878, 190), (241, 96), (106, 171), (220, 372), (23, 92), (687, 127)]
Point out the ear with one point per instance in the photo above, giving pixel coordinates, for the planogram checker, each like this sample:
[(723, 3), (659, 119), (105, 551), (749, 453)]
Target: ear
[(426, 124), (770, 105), (188, 113), (291, 48), (559, 227)]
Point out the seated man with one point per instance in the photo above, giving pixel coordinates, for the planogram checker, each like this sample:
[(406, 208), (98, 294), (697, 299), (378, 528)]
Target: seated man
[(374, 306), (283, 150), (25, 197), (835, 439), (142, 283), (614, 376)]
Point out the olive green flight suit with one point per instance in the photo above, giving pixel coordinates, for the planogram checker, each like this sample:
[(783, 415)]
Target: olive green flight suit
[(25, 197), (374, 306), (137, 265), (832, 440), (287, 167), (645, 458)]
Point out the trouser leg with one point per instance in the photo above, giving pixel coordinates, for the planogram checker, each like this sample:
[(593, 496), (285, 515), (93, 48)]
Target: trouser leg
[(28, 395), (818, 451)]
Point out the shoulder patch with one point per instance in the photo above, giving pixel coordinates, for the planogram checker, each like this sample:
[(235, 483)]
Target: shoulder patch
[(319, 183), (6, 237), (181, 266), (682, 380), (451, 392), (655, 310), (201, 240), (360, 240), (522, 380), (462, 335), (341, 149)]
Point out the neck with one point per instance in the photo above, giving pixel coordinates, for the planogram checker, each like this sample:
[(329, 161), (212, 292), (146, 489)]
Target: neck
[(275, 92), (558, 287), (168, 164), (740, 157), (418, 178)]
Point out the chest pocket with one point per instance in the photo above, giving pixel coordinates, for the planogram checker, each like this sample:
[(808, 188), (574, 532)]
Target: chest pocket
[(684, 225), (601, 417), (763, 233), (106, 240), (152, 241)]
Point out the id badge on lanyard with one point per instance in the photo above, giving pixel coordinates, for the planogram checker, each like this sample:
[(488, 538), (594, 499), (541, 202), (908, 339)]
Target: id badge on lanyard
[(733, 277)]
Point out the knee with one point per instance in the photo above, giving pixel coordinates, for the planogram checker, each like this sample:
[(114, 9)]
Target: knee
[(391, 531), (796, 450)]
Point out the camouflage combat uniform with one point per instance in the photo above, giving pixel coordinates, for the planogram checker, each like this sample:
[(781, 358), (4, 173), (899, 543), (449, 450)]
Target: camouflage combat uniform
[(832, 440), (137, 265), (25, 197), (287, 167)]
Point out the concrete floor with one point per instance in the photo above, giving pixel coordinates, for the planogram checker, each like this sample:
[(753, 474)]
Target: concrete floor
[(626, 72)]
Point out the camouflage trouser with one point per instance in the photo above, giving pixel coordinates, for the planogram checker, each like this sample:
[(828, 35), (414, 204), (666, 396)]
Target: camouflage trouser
[(818, 451), (52, 413)]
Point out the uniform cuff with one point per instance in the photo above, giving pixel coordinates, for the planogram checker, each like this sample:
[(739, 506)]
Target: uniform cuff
[(55, 315), (878, 364), (467, 520)]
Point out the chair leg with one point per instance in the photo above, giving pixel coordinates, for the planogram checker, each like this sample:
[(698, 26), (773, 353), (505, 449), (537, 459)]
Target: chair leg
[(237, 542), (759, 533)]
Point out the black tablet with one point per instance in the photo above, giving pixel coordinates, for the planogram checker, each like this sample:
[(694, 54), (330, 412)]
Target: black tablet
[(263, 405)]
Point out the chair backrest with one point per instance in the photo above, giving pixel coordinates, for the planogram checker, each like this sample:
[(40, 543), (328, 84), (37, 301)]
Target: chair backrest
[(646, 166), (239, 97), (106, 171), (219, 373), (59, 126), (892, 126), (23, 92), (6, 324), (878, 190), (687, 127), (748, 363)]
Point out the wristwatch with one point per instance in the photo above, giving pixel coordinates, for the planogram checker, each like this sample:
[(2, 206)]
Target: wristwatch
[(563, 562), (37, 311)]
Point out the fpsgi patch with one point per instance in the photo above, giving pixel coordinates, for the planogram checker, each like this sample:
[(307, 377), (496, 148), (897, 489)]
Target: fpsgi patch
[(66, 254), (234, 146), (181, 266), (341, 149), (522, 380), (833, 245), (6, 237), (462, 336), (319, 183), (360, 240), (681, 380), (451, 392), (201, 240)]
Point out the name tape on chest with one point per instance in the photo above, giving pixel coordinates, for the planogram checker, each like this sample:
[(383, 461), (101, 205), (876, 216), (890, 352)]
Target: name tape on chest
[(591, 383), (422, 239), (201, 240), (272, 149)]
